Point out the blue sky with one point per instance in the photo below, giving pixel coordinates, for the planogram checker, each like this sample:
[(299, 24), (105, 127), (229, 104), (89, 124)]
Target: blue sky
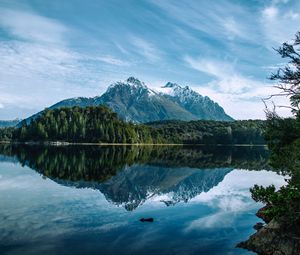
[(52, 50)]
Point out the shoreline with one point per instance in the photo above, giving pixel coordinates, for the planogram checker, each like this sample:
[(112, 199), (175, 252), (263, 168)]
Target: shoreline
[(272, 237), (63, 143)]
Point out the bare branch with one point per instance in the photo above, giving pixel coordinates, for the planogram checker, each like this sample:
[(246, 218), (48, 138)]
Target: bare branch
[(288, 77)]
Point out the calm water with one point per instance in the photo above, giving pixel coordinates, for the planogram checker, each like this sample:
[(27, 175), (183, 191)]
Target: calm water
[(88, 200)]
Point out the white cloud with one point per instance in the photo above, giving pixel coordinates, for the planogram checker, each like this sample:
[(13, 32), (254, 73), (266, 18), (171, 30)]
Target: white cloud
[(111, 226), (113, 61), (35, 75), (279, 24), (240, 96), (32, 27), (292, 15), (280, 1), (219, 69), (211, 221), (213, 18), (145, 49), (1, 105), (270, 12), (232, 28), (236, 184), (228, 80), (247, 105), (38, 68), (231, 197)]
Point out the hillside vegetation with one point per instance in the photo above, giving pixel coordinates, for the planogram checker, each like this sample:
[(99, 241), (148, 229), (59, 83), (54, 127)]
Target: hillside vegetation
[(98, 124), (211, 132), (89, 124)]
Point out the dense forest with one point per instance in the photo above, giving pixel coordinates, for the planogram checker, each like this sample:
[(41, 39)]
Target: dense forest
[(211, 132), (6, 133), (90, 124), (98, 124)]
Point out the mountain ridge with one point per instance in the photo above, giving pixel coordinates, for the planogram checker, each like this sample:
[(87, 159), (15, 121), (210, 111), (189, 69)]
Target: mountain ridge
[(134, 101)]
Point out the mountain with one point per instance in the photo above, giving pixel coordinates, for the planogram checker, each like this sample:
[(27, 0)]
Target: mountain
[(193, 102), (9, 123), (133, 101), (134, 185)]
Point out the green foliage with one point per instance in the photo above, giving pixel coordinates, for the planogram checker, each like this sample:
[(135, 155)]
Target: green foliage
[(90, 124), (283, 138), (281, 203), (6, 133), (288, 77), (211, 132), (101, 125), (281, 132)]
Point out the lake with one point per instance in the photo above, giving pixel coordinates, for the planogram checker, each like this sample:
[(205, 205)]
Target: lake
[(90, 199)]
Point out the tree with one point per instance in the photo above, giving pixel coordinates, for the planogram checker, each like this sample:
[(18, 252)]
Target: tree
[(288, 77), (283, 138)]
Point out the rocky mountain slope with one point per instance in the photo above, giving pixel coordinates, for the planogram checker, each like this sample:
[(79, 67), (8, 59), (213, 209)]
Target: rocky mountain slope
[(133, 101), (193, 102)]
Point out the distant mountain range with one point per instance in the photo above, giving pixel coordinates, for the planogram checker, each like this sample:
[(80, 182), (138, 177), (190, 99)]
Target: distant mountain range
[(9, 123), (133, 101)]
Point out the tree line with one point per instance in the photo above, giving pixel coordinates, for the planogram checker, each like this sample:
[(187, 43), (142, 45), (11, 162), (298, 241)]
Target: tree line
[(98, 124), (211, 132), (95, 124)]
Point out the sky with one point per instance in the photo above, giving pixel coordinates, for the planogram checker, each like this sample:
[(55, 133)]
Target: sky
[(52, 49)]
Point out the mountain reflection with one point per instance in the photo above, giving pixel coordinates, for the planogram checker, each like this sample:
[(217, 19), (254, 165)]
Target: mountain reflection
[(129, 175)]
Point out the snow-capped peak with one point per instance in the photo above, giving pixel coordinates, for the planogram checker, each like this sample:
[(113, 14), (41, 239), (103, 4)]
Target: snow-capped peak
[(134, 86), (171, 85), (131, 82), (135, 82), (182, 94), (175, 87)]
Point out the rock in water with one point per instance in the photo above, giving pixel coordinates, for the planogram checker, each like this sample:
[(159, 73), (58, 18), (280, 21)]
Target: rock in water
[(146, 219)]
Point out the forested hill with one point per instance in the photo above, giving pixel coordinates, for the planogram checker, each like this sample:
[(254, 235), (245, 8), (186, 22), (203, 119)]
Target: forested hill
[(89, 124), (98, 124)]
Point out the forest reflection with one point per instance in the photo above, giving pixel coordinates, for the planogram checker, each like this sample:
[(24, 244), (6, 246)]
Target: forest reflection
[(99, 163), (126, 175)]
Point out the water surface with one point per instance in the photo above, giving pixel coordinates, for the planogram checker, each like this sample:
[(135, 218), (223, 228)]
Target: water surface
[(88, 199)]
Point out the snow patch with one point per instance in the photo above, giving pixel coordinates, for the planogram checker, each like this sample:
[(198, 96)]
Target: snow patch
[(166, 91)]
